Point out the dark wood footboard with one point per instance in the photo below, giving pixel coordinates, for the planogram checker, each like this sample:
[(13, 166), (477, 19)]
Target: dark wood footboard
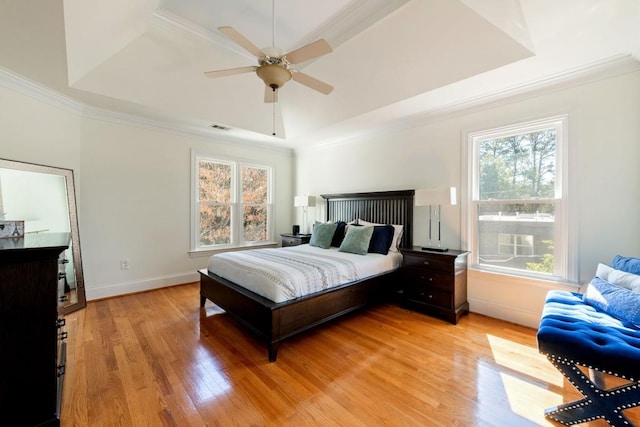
[(275, 322)]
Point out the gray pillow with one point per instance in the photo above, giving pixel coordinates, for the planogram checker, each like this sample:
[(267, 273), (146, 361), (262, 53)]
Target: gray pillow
[(323, 234), (357, 239)]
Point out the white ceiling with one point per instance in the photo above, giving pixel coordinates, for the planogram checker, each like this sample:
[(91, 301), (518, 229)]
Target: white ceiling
[(392, 59)]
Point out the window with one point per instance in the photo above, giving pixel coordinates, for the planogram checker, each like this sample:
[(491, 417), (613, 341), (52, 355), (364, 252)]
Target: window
[(232, 204), (517, 199), (515, 244)]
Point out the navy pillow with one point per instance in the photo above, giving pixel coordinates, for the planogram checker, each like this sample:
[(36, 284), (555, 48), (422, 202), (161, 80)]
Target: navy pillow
[(381, 239), (338, 236), (618, 302), (626, 264)]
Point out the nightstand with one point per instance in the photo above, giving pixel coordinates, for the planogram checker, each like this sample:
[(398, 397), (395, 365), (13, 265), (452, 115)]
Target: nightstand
[(295, 239), (434, 282)]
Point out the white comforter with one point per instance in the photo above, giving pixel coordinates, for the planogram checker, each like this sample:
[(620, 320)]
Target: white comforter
[(281, 274)]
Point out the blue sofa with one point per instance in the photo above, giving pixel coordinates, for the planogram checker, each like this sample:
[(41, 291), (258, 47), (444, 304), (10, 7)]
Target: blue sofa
[(598, 331)]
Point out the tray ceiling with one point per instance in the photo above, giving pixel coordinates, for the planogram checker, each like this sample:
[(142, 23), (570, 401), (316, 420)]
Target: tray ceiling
[(391, 59)]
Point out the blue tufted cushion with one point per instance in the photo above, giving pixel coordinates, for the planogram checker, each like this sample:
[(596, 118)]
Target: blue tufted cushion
[(627, 264), (571, 329)]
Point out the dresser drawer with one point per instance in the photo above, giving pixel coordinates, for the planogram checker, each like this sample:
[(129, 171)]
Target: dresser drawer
[(432, 296), (428, 278), (428, 262)]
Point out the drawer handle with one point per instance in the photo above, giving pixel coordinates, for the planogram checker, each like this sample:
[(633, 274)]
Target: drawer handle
[(430, 296), (426, 263)]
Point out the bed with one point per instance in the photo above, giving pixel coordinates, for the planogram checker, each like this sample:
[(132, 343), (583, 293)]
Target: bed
[(275, 322)]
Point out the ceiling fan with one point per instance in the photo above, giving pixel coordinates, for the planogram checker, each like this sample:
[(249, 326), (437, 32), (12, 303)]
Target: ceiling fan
[(274, 67)]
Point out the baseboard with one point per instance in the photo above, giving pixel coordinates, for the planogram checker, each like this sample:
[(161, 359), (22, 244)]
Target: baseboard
[(505, 312), (116, 289)]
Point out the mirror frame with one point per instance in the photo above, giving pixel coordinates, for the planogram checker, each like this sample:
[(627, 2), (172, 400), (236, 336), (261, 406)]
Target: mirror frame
[(73, 222)]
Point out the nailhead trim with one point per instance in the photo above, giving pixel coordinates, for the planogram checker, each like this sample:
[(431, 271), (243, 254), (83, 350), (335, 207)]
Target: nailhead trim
[(559, 360)]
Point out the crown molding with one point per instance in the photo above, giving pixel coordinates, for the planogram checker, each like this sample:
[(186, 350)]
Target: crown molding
[(166, 20), (180, 129), (607, 68), (37, 91)]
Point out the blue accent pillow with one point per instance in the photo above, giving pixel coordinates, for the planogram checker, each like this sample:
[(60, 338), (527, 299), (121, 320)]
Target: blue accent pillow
[(627, 264), (356, 241), (381, 239), (322, 234), (618, 302), (338, 236)]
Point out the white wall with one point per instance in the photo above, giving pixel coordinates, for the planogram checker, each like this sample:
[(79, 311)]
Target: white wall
[(136, 203), (604, 138), (132, 188)]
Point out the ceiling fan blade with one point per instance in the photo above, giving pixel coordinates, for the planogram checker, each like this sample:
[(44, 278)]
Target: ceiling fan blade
[(270, 95), (308, 52), (242, 41), (229, 71), (312, 82)]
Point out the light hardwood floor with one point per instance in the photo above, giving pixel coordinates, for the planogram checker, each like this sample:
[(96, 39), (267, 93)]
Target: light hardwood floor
[(157, 359)]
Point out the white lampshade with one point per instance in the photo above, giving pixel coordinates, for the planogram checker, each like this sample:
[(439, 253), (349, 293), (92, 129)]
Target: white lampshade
[(304, 201), (436, 196)]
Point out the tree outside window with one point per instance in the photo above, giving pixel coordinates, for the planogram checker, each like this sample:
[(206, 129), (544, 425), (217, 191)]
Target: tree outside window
[(233, 203)]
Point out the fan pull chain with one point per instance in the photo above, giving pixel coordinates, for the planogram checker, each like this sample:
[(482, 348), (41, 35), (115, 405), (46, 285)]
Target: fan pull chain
[(275, 99)]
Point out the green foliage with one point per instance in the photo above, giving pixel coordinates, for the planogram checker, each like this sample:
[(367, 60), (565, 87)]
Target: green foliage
[(518, 166), (546, 266)]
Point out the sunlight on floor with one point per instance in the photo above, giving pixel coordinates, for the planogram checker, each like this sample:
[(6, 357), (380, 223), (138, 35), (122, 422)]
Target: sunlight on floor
[(524, 359), (526, 377)]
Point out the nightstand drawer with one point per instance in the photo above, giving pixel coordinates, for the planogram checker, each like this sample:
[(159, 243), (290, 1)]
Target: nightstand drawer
[(428, 278), (427, 295), (290, 241), (295, 239), (428, 262)]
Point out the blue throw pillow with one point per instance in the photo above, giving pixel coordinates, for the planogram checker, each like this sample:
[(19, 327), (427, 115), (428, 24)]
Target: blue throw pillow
[(618, 302), (322, 234), (381, 239), (627, 264), (338, 236), (356, 241)]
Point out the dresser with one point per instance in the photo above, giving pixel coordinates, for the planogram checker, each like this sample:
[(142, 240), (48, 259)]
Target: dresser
[(32, 347), (295, 239), (434, 282)]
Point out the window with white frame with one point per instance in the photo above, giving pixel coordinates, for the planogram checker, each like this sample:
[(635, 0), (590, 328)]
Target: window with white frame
[(516, 221), (232, 203)]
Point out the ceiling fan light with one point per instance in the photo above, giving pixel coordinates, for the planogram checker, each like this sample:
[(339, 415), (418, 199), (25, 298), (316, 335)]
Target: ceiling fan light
[(274, 76)]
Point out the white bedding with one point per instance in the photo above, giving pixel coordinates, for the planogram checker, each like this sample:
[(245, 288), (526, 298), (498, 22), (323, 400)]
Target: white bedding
[(281, 274)]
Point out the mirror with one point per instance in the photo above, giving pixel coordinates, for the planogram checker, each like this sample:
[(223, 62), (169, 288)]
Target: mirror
[(44, 198)]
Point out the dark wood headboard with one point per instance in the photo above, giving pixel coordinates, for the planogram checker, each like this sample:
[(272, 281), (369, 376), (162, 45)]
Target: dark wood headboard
[(384, 207)]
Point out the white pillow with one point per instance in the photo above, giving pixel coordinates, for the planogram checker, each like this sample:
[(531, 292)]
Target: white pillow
[(397, 233), (603, 271), (624, 280)]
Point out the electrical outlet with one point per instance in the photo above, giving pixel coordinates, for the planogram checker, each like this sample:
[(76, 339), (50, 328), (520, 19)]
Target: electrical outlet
[(124, 264)]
